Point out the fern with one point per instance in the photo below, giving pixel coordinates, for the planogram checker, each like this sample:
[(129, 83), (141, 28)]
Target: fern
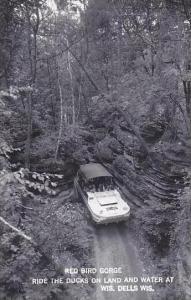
[(37, 182)]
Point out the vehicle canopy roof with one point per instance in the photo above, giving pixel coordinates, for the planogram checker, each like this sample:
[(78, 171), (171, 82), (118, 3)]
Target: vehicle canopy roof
[(94, 170)]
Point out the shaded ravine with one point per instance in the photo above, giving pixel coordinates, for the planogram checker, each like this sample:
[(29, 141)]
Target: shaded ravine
[(114, 248), (156, 197)]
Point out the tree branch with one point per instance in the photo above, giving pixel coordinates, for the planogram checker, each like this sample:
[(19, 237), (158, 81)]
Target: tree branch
[(18, 231)]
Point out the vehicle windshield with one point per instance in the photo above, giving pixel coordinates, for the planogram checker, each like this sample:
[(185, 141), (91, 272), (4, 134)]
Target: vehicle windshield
[(100, 184)]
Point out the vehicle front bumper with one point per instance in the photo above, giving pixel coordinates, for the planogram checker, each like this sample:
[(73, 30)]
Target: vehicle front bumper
[(111, 219)]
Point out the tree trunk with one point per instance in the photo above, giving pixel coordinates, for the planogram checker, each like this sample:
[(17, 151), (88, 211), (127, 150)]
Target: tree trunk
[(29, 98), (84, 69), (32, 52), (71, 84), (51, 97), (187, 91), (61, 120), (29, 131)]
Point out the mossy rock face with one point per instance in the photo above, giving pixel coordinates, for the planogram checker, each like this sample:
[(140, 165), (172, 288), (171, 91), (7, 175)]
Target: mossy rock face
[(83, 155), (152, 131), (120, 164), (104, 154), (3, 163), (87, 136)]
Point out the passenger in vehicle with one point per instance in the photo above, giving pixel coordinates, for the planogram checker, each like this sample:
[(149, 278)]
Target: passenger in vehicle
[(110, 187), (92, 188), (101, 187)]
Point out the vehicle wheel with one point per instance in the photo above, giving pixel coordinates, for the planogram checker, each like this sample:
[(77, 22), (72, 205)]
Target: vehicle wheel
[(96, 225)]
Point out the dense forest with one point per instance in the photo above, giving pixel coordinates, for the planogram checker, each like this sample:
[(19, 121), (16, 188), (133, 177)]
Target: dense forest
[(83, 81)]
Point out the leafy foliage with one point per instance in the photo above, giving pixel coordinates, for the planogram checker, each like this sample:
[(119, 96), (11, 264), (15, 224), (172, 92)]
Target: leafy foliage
[(37, 182), (93, 81)]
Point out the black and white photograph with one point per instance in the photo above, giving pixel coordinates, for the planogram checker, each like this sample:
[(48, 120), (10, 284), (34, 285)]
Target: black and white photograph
[(95, 150)]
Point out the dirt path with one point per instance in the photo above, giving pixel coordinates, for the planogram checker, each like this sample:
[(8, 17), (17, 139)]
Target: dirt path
[(114, 248)]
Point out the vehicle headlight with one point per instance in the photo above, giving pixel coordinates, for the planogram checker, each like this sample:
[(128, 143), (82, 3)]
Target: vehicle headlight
[(101, 212), (125, 208)]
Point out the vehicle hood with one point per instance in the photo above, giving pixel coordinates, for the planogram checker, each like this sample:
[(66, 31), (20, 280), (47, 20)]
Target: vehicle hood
[(106, 197), (107, 205)]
